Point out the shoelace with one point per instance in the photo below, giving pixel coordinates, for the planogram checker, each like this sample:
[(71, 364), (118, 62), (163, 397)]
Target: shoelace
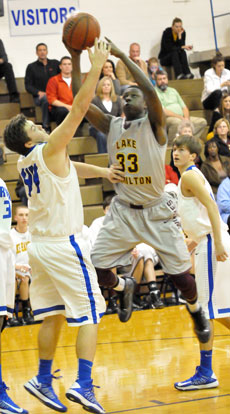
[(3, 387), (89, 393), (58, 377)]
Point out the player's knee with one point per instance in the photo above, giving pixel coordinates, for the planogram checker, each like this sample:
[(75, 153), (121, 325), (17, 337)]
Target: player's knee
[(186, 284), (106, 278)]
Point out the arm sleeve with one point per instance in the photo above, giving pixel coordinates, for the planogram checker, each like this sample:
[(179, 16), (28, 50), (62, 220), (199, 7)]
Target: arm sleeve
[(209, 83), (3, 54), (29, 81), (51, 90)]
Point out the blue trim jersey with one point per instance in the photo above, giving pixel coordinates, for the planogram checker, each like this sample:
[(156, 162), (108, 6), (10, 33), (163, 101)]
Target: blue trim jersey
[(5, 216), (55, 205), (142, 159)]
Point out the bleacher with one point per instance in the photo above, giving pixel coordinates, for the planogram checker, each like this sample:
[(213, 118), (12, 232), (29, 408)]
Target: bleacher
[(82, 147)]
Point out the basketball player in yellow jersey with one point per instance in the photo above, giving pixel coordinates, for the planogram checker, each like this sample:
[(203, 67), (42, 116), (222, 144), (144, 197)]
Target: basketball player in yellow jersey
[(64, 282)]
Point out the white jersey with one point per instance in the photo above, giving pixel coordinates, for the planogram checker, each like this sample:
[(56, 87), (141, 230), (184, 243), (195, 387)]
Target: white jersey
[(142, 158), (194, 216), (55, 205), (5, 217), (21, 241)]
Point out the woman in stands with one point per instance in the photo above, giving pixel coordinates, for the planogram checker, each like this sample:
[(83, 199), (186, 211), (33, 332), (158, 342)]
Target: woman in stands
[(109, 70), (216, 81), (109, 103), (223, 111), (215, 167), (222, 136)]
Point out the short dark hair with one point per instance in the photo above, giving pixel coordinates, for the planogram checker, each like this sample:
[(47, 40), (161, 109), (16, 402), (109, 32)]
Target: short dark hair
[(15, 135), (133, 87), (207, 143), (191, 143), (41, 44), (64, 58), (176, 20), (160, 72), (216, 59), (107, 201)]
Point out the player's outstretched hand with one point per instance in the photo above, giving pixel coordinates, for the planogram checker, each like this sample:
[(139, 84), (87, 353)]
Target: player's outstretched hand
[(115, 51), (100, 54), (221, 254), (115, 174)]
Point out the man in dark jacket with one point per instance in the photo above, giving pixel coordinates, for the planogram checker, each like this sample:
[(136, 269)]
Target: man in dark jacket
[(37, 76), (173, 49), (6, 70)]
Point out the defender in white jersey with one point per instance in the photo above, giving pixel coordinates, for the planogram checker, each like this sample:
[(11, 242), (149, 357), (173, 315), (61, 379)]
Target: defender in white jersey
[(64, 281), (7, 286), (21, 238), (201, 221), (141, 211)]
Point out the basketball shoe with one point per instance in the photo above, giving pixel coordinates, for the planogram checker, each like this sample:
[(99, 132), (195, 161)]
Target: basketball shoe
[(126, 299), (201, 325), (7, 406), (45, 393), (85, 397), (202, 379), (156, 301)]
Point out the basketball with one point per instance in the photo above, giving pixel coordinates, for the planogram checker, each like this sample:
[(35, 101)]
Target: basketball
[(80, 30)]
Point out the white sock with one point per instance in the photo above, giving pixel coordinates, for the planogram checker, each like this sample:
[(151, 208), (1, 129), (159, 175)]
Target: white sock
[(121, 284), (193, 307)]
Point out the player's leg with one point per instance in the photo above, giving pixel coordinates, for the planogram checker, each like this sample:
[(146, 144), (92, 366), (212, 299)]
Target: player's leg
[(7, 281), (150, 277), (82, 389), (40, 386), (24, 296)]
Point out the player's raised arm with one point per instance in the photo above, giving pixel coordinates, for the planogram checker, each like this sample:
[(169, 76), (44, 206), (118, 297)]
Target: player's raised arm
[(155, 110), (191, 182), (62, 135), (94, 115)]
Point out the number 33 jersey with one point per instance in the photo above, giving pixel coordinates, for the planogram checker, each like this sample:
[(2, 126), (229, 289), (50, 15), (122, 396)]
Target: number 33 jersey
[(55, 206), (5, 217), (141, 158)]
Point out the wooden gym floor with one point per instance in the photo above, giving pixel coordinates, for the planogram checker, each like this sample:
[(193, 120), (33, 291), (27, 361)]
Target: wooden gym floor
[(136, 365)]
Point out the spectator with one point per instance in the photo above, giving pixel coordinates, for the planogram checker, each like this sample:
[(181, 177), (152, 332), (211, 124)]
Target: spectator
[(215, 167), (175, 108), (222, 136), (59, 91), (37, 75), (124, 75), (153, 66), (223, 201), (216, 81), (223, 111), (6, 70), (21, 238), (109, 103), (109, 70), (185, 128), (173, 47)]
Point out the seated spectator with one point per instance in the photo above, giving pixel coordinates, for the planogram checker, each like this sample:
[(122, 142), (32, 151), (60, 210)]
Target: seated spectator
[(172, 174), (21, 192), (223, 111), (6, 70), (37, 75), (223, 200), (59, 91), (109, 103), (21, 238), (216, 81), (124, 75), (109, 70), (175, 108), (153, 66), (215, 167), (222, 136), (144, 259), (173, 47), (185, 128)]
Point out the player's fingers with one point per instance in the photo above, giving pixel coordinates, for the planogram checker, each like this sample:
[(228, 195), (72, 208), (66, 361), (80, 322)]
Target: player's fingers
[(108, 40), (96, 43)]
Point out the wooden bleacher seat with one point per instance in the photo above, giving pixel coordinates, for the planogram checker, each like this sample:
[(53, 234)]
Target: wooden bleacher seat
[(91, 194), (101, 160), (91, 213), (82, 145), (8, 110)]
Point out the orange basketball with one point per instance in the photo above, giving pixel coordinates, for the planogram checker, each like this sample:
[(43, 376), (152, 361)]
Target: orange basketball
[(80, 30)]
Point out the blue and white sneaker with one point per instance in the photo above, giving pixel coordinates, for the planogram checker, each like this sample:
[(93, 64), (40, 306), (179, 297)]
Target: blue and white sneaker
[(199, 381), (7, 406), (85, 397), (45, 393)]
